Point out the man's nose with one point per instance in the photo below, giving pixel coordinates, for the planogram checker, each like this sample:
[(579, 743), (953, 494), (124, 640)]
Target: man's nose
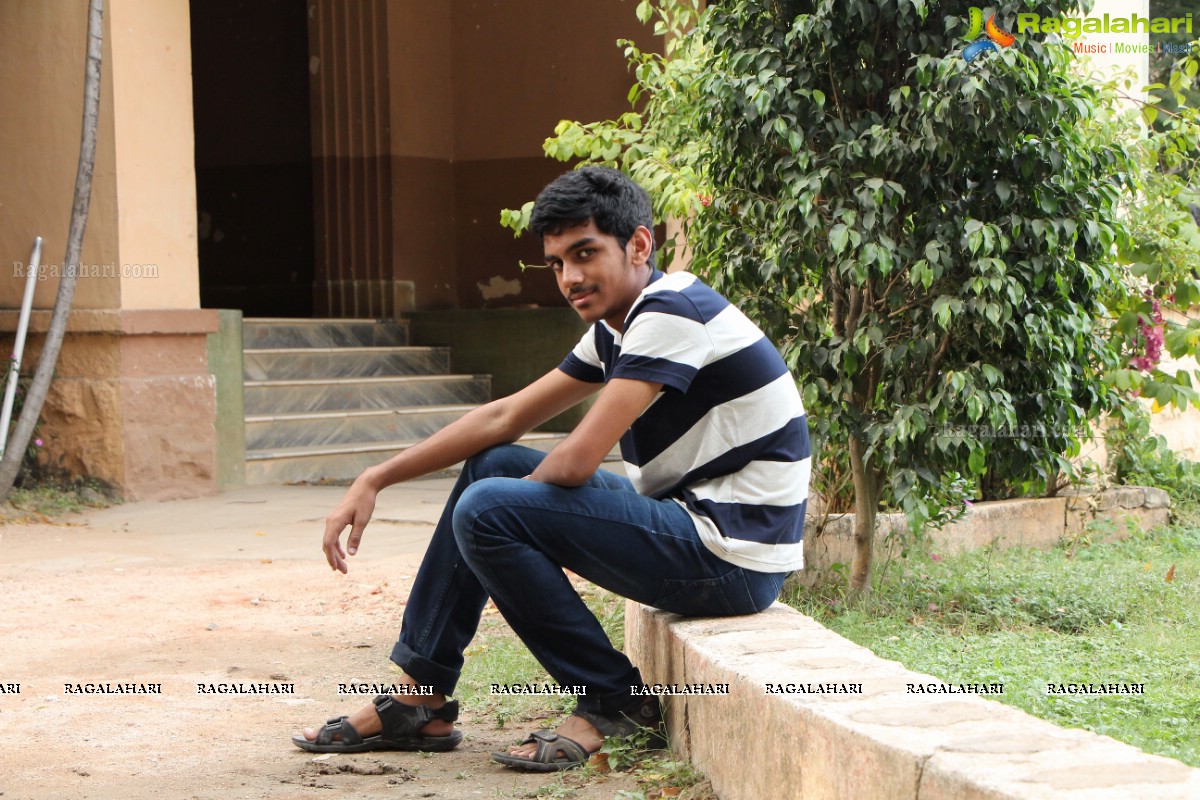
[(571, 274)]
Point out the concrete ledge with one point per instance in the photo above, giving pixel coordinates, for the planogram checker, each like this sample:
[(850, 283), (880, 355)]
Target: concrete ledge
[(884, 742)]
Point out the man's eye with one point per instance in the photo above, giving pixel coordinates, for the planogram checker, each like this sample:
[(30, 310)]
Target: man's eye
[(586, 252)]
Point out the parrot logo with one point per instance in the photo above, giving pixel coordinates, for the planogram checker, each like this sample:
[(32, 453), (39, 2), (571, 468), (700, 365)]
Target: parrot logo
[(984, 37)]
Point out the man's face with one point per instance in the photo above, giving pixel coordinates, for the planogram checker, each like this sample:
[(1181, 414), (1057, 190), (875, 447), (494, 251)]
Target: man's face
[(598, 277)]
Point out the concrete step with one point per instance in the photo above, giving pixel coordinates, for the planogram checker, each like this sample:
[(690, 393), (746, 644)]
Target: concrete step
[(289, 363), (341, 462), (260, 333), (413, 423), (290, 396)]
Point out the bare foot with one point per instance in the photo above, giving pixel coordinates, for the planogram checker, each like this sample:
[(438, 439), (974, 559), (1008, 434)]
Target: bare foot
[(366, 720), (575, 728)]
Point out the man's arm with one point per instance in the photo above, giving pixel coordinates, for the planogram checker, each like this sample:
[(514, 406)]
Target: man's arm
[(577, 457), (498, 422)]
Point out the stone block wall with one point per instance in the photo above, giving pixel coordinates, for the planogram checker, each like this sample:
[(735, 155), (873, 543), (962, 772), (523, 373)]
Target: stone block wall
[(1038, 522)]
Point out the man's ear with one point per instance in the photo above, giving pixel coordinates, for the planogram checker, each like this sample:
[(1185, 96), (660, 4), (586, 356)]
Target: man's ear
[(640, 246)]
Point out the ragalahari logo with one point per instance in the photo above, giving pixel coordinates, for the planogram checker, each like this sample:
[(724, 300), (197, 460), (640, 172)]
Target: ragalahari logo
[(985, 37)]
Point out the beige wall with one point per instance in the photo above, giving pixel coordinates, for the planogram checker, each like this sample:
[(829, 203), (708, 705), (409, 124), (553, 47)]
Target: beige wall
[(132, 403), (475, 87), (519, 68), (151, 102), (143, 197), (39, 151), (421, 80), (1110, 63)]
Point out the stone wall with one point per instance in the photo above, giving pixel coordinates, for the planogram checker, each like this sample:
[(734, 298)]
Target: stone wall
[(132, 403), (1040, 522)]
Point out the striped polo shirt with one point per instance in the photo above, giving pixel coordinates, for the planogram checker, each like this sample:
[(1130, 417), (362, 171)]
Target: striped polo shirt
[(727, 436)]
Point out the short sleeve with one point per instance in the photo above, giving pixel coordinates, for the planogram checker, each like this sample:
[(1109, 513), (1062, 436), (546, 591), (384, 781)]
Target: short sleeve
[(583, 363), (664, 343)]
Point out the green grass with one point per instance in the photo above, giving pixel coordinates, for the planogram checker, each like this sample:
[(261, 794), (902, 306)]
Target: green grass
[(1080, 613), (496, 655), (44, 501)]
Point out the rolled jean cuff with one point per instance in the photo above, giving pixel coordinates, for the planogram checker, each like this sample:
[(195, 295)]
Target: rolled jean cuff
[(614, 702), (424, 671)]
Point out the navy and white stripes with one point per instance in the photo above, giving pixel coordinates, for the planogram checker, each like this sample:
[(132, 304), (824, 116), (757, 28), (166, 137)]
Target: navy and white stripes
[(727, 437)]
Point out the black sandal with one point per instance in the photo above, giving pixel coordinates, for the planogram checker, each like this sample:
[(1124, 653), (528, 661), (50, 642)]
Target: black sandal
[(401, 730), (547, 759), (647, 716)]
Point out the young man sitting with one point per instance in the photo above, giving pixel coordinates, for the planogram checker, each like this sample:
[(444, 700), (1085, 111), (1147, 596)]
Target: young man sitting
[(707, 523)]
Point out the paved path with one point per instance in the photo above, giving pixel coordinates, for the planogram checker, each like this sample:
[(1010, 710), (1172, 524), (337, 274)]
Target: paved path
[(220, 590)]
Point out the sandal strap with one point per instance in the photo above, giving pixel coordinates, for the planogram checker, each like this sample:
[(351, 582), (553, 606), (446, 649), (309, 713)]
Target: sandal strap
[(340, 727), (645, 715), (400, 720), (550, 743), (448, 712)]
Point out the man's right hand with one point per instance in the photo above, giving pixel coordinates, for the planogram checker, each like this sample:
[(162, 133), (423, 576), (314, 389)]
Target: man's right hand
[(354, 511), (503, 420)]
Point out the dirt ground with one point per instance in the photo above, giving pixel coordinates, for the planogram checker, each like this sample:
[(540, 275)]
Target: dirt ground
[(227, 589)]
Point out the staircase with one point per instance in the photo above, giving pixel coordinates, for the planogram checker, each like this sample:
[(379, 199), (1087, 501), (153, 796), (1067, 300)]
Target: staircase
[(325, 399)]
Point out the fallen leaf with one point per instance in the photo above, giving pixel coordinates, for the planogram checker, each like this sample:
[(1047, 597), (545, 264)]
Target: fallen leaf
[(259, 533), (599, 761), (670, 791), (1171, 574), (264, 561)]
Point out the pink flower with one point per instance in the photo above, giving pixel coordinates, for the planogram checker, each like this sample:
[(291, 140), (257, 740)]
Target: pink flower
[(968, 503), (1149, 337), (935, 556), (37, 442), (705, 199)]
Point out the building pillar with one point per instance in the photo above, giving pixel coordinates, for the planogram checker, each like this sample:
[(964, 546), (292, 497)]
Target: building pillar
[(133, 402), (351, 169)]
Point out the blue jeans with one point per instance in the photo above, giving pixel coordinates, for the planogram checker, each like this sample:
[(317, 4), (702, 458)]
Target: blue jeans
[(509, 539)]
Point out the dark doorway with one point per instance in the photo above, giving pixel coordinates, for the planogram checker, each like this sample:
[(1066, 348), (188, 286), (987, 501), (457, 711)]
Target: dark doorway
[(250, 88)]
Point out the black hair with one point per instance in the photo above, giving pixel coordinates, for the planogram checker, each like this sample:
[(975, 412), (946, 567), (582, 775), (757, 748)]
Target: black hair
[(604, 195)]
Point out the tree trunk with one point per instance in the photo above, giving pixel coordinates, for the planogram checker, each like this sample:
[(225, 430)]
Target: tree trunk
[(36, 397), (866, 505)]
